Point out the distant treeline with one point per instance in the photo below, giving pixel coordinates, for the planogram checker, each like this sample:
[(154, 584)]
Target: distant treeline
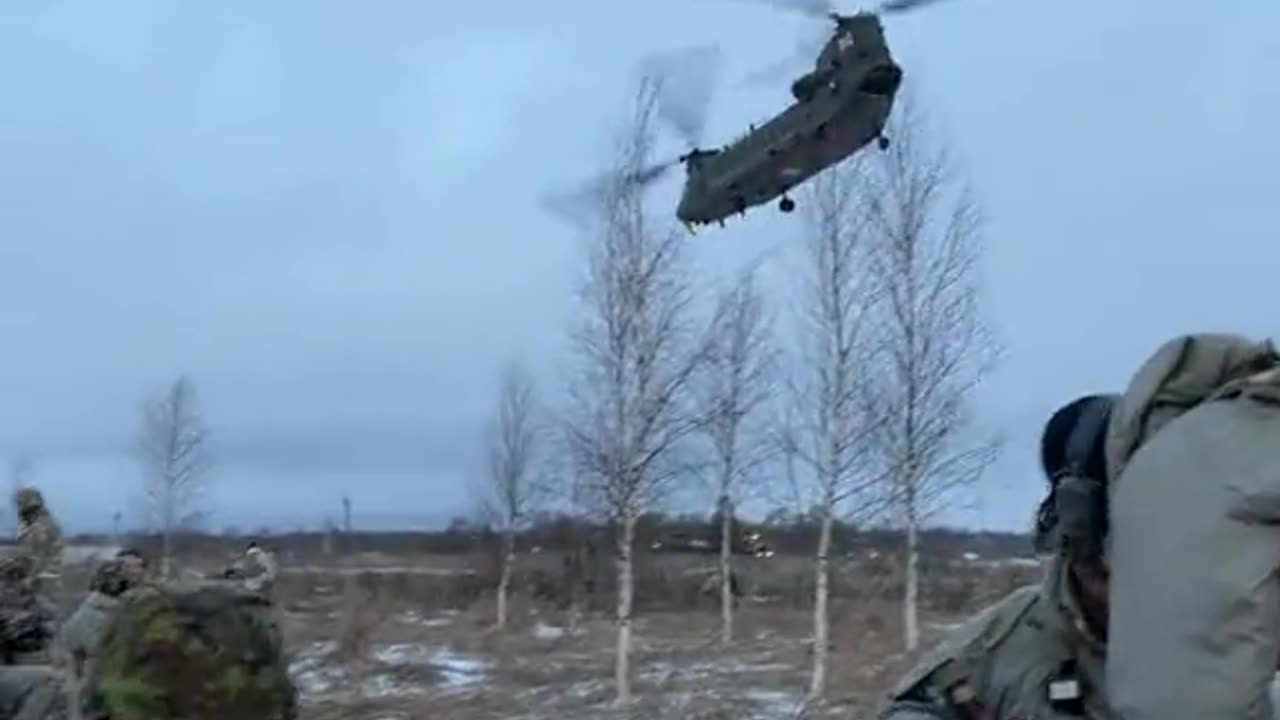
[(791, 535)]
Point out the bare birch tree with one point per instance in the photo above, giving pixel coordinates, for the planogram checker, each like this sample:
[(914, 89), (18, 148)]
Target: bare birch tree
[(629, 409), (933, 346), (512, 447), (830, 436), (174, 454), (736, 384)]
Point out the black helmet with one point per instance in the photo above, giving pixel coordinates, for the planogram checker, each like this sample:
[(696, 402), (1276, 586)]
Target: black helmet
[(1073, 457), (1074, 439)]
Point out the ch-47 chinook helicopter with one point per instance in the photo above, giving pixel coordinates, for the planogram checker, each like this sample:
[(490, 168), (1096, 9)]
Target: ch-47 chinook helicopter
[(838, 107)]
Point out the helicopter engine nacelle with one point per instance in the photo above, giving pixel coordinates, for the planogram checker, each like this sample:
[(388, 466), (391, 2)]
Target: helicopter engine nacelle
[(807, 86)]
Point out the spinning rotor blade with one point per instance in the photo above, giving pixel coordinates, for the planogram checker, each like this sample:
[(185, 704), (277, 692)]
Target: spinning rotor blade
[(785, 70), (896, 7), (686, 79), (684, 82), (813, 8), (578, 207), (644, 176)]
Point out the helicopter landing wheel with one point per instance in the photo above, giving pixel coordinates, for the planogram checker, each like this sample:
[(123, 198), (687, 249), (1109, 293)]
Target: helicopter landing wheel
[(882, 142), (786, 205)]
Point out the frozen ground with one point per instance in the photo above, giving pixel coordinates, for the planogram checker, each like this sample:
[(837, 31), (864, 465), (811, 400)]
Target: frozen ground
[(451, 664)]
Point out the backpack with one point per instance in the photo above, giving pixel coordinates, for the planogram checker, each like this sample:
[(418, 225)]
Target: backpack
[(206, 652), (1194, 548)]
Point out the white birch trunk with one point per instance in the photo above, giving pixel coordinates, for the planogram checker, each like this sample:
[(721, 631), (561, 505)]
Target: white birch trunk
[(622, 661), (726, 573), (821, 592), (504, 583), (166, 554), (911, 596)]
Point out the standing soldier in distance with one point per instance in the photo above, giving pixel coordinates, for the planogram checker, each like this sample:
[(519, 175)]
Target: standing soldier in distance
[(256, 569), (39, 536)]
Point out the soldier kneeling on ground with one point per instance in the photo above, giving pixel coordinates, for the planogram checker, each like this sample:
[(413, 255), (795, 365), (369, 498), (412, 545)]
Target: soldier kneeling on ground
[(81, 636), (198, 652)]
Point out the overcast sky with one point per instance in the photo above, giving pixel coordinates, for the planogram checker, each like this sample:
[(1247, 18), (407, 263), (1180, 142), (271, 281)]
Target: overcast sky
[(327, 213)]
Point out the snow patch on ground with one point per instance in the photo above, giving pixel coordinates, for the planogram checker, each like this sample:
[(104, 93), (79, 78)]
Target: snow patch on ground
[(443, 619), (403, 654), (459, 670), (319, 675), (315, 673), (543, 631), (773, 704)]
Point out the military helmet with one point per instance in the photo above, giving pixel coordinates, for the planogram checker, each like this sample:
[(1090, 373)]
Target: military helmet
[(204, 652), (1074, 438), (1073, 517), (27, 498), (111, 578)]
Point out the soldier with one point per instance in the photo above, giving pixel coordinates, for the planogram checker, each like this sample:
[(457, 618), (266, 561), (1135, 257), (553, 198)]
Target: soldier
[(39, 535), (134, 564), (81, 635), (1039, 652), (26, 619), (169, 653), (257, 568)]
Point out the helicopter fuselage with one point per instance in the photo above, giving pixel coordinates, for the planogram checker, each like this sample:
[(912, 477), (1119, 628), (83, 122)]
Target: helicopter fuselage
[(841, 106)]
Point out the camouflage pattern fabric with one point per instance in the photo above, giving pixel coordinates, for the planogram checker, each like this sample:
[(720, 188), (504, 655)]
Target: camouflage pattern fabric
[(258, 570), (205, 652), (26, 621), (39, 535), (81, 635)]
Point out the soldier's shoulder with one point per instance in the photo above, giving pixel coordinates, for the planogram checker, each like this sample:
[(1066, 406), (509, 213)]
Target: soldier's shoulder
[(957, 655)]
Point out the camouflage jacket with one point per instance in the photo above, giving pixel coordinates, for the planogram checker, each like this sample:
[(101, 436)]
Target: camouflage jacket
[(41, 539), (1027, 656), (257, 569)]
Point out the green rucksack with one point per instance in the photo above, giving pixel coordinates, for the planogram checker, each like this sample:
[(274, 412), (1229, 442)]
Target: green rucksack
[(207, 652)]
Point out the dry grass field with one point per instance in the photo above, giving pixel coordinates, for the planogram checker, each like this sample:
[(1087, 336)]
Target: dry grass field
[(384, 642), (409, 636)]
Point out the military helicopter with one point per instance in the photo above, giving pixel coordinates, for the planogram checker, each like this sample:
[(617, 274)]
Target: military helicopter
[(838, 107)]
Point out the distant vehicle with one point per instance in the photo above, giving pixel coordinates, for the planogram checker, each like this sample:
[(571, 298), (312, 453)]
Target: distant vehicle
[(749, 543)]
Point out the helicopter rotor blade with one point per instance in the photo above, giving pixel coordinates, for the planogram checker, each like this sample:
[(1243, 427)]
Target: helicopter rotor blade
[(575, 207), (785, 70), (820, 9), (897, 7), (686, 80)]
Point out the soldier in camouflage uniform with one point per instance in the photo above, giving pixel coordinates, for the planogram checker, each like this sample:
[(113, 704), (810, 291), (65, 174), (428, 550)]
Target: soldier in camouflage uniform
[(260, 569), (26, 620), (81, 636), (40, 538), (176, 652), (256, 569), (1039, 652)]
